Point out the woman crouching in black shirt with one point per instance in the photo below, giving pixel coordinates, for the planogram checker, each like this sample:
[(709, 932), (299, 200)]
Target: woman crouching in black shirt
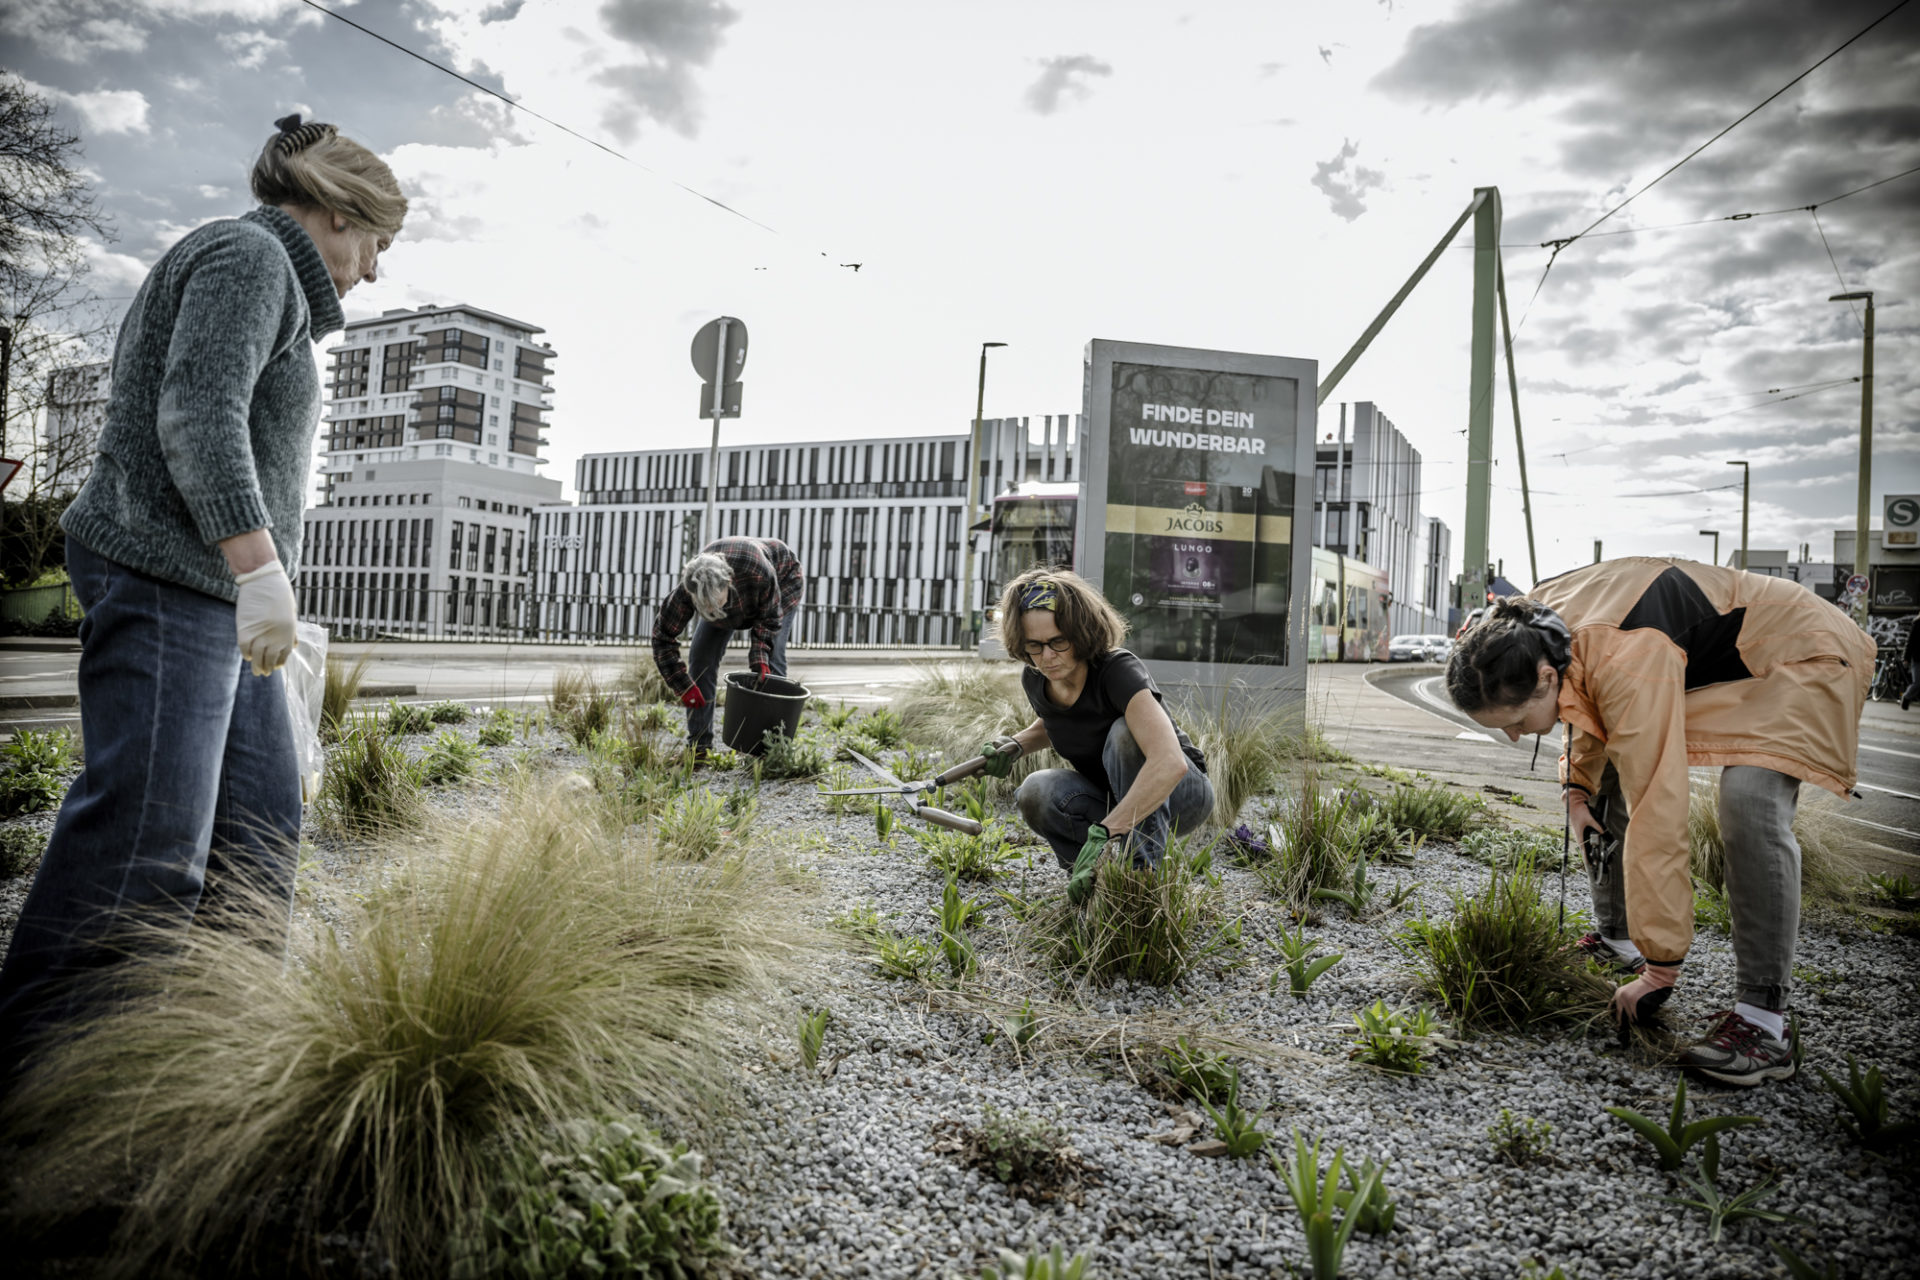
[(1135, 777)]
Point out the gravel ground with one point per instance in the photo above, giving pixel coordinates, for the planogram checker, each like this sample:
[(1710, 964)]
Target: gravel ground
[(842, 1172)]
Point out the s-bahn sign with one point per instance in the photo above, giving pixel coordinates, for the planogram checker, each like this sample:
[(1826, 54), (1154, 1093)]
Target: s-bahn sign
[(1900, 521)]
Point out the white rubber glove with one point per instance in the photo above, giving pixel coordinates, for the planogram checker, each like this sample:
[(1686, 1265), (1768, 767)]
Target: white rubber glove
[(265, 614)]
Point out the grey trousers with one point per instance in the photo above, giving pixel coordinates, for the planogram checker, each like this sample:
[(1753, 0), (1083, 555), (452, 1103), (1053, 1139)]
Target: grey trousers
[(1763, 877), (1060, 804)]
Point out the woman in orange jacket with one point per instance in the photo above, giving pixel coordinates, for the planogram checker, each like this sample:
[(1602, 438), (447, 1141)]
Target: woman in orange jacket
[(1655, 665)]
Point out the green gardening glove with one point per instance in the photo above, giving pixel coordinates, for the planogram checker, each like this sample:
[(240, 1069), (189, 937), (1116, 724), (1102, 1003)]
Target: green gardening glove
[(1080, 880), (1000, 754)]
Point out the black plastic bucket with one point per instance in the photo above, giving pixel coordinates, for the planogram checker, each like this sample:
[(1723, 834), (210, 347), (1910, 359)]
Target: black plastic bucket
[(755, 709)]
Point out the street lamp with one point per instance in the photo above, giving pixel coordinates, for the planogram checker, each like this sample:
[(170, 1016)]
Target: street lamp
[(1860, 558), (1746, 493), (973, 491), (1715, 535)]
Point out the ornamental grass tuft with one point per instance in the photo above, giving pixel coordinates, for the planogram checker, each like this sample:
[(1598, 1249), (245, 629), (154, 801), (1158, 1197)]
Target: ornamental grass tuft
[(370, 789), (383, 1077), (1248, 737), (1144, 924), (1502, 960)]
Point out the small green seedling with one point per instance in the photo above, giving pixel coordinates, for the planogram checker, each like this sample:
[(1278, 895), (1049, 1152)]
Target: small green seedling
[(1865, 1098), (1395, 1040), (1519, 1140), (883, 822), (1672, 1143), (1236, 1126), (1799, 1268), (1022, 1025), (1052, 1265), (1722, 1209), (1295, 949), (1375, 1214), (1204, 1075), (813, 1033), (1316, 1197), (1897, 891)]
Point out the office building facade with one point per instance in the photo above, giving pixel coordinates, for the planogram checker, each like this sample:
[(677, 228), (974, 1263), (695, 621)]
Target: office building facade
[(880, 527), (1366, 504)]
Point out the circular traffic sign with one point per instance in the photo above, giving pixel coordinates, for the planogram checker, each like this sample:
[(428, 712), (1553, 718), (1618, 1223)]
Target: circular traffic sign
[(1858, 582)]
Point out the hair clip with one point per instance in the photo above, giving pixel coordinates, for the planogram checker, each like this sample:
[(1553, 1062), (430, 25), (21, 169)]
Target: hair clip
[(295, 136), (1043, 594)]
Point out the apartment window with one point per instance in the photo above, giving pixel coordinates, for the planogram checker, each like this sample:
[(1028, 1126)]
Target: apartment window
[(453, 561)]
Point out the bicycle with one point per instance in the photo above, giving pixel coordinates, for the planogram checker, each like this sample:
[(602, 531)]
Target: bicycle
[(1889, 675)]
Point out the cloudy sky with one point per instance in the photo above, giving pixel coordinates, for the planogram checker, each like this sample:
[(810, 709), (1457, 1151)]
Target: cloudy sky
[(1241, 175)]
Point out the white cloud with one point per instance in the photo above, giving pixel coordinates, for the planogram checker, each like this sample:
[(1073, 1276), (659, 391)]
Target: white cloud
[(103, 110), (209, 192), (111, 110), (250, 49)]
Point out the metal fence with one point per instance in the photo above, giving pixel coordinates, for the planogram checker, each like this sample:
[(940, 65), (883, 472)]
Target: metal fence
[(400, 613), (32, 606)]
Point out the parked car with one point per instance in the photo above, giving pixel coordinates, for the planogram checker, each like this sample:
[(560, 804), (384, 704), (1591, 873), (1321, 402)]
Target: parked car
[(1438, 648), (1409, 648), (1468, 624)]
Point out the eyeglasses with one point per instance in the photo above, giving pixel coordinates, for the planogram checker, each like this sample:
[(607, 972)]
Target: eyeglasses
[(1032, 648)]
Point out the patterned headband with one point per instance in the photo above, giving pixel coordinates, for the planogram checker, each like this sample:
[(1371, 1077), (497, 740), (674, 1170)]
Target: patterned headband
[(295, 136), (1043, 594)]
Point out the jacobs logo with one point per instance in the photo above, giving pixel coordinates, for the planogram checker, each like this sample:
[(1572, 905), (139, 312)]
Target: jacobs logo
[(1195, 519)]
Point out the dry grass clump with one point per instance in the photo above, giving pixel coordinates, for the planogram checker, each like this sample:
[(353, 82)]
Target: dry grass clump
[(337, 694), (1247, 735), (1827, 870), (957, 708), (640, 679), (580, 707), (521, 974)]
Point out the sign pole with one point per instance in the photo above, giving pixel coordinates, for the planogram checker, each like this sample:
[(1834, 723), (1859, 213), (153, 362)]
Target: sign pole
[(713, 450)]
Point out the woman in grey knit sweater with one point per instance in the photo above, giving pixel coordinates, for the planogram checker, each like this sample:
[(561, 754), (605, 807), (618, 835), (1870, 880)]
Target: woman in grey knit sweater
[(181, 547)]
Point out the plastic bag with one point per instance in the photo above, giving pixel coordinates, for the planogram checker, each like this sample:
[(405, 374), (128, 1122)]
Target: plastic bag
[(306, 684)]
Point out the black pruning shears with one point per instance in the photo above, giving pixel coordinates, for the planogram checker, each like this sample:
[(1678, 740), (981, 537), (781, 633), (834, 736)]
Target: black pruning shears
[(1599, 846), (911, 791)]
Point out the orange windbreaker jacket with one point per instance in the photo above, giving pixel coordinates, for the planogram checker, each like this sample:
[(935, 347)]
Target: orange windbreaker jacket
[(1676, 663)]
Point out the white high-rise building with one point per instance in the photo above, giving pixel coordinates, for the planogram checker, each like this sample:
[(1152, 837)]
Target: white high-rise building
[(429, 476), (439, 382)]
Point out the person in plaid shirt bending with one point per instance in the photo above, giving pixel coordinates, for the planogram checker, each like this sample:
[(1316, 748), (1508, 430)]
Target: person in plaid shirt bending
[(733, 584)]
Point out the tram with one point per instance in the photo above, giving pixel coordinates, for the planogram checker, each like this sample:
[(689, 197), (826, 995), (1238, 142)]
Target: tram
[(1029, 525)]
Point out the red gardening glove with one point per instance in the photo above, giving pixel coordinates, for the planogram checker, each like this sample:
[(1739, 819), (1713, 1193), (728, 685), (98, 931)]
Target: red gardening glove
[(693, 699), (1637, 1001), (765, 671)]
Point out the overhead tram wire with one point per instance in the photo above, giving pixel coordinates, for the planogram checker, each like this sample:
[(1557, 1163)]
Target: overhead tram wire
[(1561, 245), (522, 107)]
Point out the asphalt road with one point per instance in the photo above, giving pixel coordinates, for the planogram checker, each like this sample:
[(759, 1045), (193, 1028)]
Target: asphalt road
[(1889, 786), (1888, 812)]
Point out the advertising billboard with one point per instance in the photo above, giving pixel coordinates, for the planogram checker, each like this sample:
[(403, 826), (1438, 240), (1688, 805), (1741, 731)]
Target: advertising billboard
[(1196, 465)]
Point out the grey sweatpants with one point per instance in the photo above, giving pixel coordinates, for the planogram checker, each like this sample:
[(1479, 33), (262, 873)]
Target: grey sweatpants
[(1763, 877)]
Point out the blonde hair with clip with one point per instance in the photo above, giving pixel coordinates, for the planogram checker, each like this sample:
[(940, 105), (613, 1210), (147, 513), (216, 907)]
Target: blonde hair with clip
[(311, 164)]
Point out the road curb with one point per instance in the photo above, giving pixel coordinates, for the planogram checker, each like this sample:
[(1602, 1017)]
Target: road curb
[(38, 701)]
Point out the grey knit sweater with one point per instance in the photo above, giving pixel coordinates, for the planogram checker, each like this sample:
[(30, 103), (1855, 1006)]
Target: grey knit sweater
[(215, 399)]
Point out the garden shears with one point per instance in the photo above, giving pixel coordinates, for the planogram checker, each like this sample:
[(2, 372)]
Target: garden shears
[(911, 791)]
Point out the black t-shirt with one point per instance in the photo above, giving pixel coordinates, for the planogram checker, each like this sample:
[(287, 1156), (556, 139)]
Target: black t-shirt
[(1079, 732)]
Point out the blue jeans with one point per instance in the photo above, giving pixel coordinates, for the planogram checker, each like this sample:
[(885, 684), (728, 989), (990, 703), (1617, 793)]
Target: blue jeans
[(1060, 804), (190, 794), (704, 654)]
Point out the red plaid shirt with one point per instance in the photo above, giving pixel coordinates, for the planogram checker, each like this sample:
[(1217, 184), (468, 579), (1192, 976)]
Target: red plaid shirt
[(767, 586)]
